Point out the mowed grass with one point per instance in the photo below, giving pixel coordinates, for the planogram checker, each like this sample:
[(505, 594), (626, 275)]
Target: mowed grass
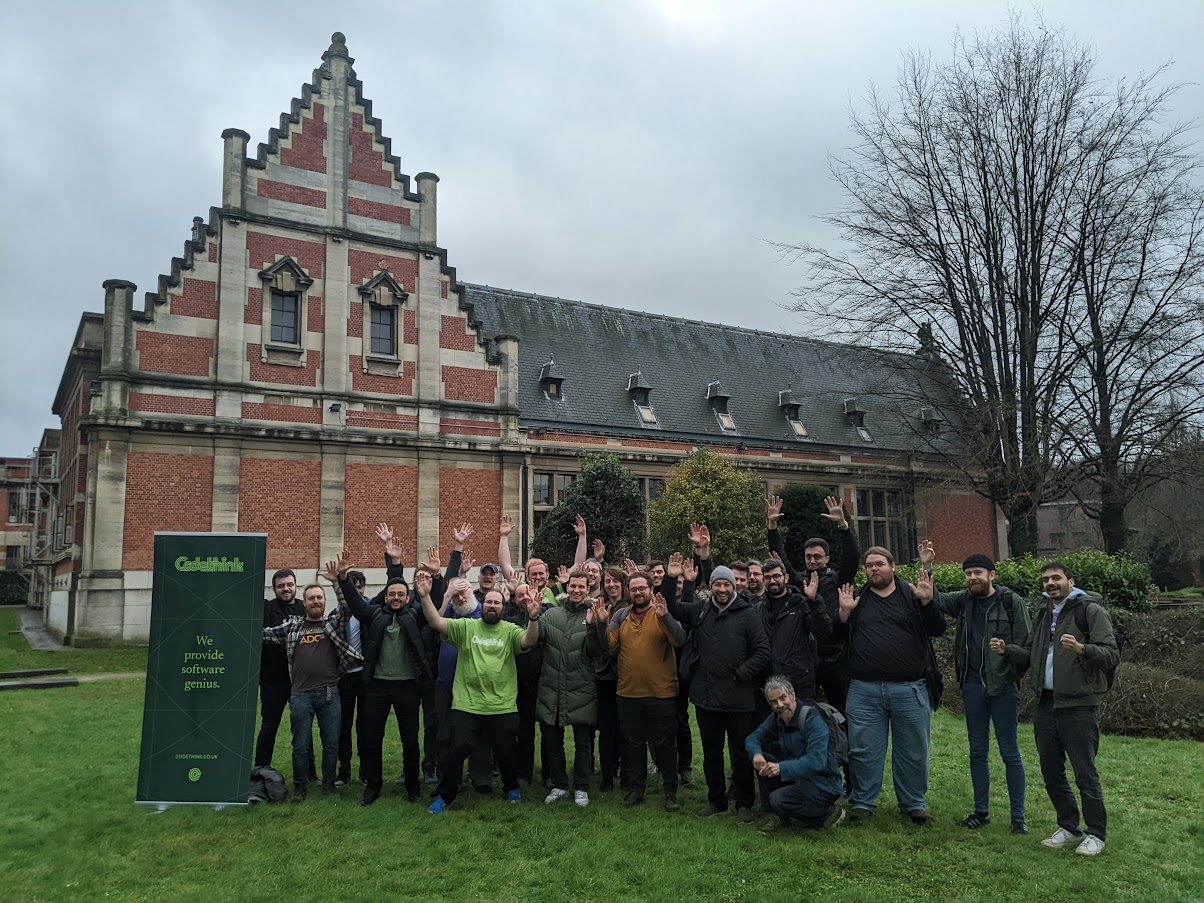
[(69, 830), (15, 654)]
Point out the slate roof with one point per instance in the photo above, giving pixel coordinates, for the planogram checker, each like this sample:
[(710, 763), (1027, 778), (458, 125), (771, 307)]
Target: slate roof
[(597, 348)]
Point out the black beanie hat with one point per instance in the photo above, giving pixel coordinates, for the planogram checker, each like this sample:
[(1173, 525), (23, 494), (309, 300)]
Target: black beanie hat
[(978, 560)]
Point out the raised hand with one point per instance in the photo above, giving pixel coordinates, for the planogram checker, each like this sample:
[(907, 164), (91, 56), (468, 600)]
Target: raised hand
[(462, 533), (689, 572), (673, 567), (700, 535), (432, 559), (927, 554), (422, 584), (659, 605), (534, 607), (335, 568), (393, 550), (506, 525), (835, 512), (513, 581), (773, 510), (923, 587), (598, 612), (466, 562), (562, 575), (599, 551), (384, 533), (630, 566), (848, 602), (812, 586), (579, 525)]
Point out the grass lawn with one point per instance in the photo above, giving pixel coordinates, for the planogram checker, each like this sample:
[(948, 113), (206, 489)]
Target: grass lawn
[(16, 655), (69, 831)]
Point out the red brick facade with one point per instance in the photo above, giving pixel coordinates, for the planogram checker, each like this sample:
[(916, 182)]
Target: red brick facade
[(165, 493), (474, 497), (463, 384), (380, 493), (281, 498), (160, 352), (306, 150)]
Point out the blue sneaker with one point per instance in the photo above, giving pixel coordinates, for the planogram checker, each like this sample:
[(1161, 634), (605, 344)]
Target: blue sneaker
[(438, 807), (512, 798)]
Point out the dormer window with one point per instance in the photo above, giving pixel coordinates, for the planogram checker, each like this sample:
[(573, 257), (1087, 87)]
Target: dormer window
[(551, 381), (790, 410), (382, 297), (855, 414), (639, 388), (718, 400), (931, 419)]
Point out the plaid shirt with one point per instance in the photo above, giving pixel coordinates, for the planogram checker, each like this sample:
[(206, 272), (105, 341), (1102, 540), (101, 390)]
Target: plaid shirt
[(335, 628)]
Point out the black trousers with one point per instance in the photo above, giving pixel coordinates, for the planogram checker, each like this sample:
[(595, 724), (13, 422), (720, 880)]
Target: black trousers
[(430, 728), (716, 728), (351, 695), (273, 697), (611, 747), (480, 758), (528, 691), (685, 737), (402, 697), (1071, 732), (833, 679), (583, 752), (466, 731), (801, 801), (647, 721)]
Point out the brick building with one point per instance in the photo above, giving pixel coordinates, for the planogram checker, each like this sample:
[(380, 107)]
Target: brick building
[(313, 365)]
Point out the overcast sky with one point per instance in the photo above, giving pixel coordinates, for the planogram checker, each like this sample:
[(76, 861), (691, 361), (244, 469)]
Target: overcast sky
[(637, 154)]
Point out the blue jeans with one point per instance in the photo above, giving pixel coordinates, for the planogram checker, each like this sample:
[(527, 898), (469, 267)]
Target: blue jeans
[(1003, 711), (322, 703), (876, 708)]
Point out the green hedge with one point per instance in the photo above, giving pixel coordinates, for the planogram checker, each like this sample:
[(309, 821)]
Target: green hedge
[(1124, 582)]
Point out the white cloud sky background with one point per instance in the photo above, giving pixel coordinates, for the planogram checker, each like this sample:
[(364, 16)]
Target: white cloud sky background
[(633, 153)]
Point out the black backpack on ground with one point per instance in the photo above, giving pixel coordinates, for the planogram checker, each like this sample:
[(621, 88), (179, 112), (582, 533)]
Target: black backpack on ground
[(838, 734), (267, 786)]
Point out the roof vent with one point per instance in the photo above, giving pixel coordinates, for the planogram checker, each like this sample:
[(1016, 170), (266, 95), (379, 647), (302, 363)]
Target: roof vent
[(932, 420), (638, 388), (854, 412), (788, 405), (550, 381), (719, 399)]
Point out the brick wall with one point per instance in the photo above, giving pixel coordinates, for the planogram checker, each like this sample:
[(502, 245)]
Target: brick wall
[(306, 150), (288, 413), (293, 194), (475, 497), (367, 163), (464, 384), (284, 373), (169, 493), (263, 249), (197, 298), (374, 210), (459, 427), (253, 312), (380, 493), (160, 352), (366, 264), (454, 335), (959, 524), (315, 318), (387, 385), (282, 498), (171, 404), (382, 420)]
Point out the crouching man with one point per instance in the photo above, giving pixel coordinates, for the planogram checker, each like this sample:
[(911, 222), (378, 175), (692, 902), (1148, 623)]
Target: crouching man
[(318, 655), (800, 780)]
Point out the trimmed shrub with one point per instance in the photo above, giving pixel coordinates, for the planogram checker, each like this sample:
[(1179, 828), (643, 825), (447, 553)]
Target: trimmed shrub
[(612, 503)]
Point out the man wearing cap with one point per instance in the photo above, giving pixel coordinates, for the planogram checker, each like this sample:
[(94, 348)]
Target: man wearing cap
[(726, 655), (983, 612), (486, 580)]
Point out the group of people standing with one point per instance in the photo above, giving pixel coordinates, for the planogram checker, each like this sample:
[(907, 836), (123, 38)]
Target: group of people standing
[(615, 654)]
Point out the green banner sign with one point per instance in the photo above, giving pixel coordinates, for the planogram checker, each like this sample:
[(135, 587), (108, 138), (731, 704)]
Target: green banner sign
[(202, 674)]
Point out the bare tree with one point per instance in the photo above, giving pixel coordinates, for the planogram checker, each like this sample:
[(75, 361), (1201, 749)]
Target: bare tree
[(967, 211)]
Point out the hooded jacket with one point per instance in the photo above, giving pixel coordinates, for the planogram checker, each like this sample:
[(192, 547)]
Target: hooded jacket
[(1013, 629), (572, 648), (1077, 679)]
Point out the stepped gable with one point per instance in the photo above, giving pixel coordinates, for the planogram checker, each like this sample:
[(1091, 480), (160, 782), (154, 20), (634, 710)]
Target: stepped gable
[(596, 349)]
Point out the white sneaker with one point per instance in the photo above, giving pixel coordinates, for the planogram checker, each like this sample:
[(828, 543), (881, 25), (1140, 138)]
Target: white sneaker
[(1091, 846), (581, 798), (556, 795), (1061, 838)]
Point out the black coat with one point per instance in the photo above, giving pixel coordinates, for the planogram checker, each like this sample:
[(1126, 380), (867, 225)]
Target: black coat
[(726, 655), (795, 630), (830, 582), (273, 659), (374, 620)]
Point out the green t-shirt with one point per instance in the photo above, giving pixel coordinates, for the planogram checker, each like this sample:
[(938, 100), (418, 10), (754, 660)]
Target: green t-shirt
[(486, 681), (393, 663)]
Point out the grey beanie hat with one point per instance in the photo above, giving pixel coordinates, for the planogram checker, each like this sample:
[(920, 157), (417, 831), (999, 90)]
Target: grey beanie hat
[(723, 573)]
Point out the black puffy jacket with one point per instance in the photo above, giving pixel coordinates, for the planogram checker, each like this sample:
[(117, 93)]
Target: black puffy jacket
[(726, 654), (795, 628)]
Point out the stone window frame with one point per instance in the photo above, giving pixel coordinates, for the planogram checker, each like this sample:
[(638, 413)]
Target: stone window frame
[(286, 276), (382, 290)]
